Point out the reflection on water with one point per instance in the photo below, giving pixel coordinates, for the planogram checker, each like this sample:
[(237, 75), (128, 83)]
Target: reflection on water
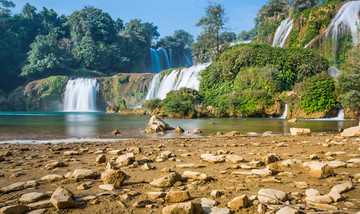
[(81, 124), (64, 125)]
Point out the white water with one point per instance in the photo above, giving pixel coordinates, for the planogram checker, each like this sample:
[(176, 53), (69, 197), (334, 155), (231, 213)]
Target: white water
[(282, 33), (186, 77), (162, 60), (283, 116), (346, 21), (80, 95), (333, 71), (340, 117)]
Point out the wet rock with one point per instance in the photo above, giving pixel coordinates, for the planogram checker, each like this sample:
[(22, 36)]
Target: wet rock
[(84, 173), (116, 132), (116, 177), (100, 159), (31, 197), (197, 131), (179, 130), (52, 178), (212, 158), (166, 181), (299, 131), (239, 202), (342, 188), (271, 196), (196, 175), (126, 159), (177, 196), (234, 158), (54, 165), (183, 208), (319, 170), (14, 209), (157, 125)]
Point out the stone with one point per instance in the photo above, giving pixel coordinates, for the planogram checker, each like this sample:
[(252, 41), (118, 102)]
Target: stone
[(146, 167), (299, 131), (212, 158), (183, 208), (234, 158), (287, 210), (336, 164), (126, 159), (319, 170), (167, 180), (217, 210), (335, 196), (69, 153), (179, 130), (166, 154), (116, 132), (197, 131), (189, 166), (13, 187), (84, 173), (41, 204), (116, 177), (62, 201), (54, 165), (312, 192), (64, 191), (301, 185), (177, 196), (100, 159), (31, 197), (262, 172), (155, 195), (141, 204), (14, 209), (351, 132), (52, 178), (196, 175), (215, 193), (239, 202), (270, 158), (107, 187), (354, 160), (294, 120), (157, 125), (271, 196), (115, 152), (290, 162), (208, 202), (83, 186), (342, 188), (41, 211), (322, 199)]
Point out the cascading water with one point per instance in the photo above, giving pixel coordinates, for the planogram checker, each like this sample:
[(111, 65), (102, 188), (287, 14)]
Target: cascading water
[(80, 95), (282, 33), (333, 71), (283, 116), (184, 78), (346, 21), (162, 60)]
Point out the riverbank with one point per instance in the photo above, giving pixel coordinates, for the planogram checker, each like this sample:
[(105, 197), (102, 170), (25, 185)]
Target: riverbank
[(232, 165)]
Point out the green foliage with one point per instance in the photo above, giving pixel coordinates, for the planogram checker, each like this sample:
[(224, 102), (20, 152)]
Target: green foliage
[(272, 9), (153, 104), (208, 42), (227, 37), (182, 102), (267, 29), (247, 35), (318, 94), (301, 5), (53, 86), (349, 80)]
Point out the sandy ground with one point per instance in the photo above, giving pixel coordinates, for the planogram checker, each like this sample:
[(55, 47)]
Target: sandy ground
[(27, 161)]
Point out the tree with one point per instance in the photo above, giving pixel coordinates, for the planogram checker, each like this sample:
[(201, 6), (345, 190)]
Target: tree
[(301, 5), (227, 37), (212, 24), (271, 9), (247, 35)]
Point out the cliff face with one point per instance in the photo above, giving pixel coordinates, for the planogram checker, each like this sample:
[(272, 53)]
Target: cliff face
[(48, 94)]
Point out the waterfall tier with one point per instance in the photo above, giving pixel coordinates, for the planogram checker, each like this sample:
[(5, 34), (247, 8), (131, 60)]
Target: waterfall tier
[(283, 116), (80, 95), (282, 33), (184, 78), (333, 71), (162, 59), (346, 21)]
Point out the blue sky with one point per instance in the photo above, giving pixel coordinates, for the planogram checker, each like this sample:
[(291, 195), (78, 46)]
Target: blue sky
[(168, 15)]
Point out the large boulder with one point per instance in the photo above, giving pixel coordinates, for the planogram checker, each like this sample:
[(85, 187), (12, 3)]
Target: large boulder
[(157, 125), (116, 177), (299, 131), (351, 132)]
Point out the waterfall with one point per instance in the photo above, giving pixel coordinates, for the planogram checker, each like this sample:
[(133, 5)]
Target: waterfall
[(186, 77), (333, 71), (161, 60), (346, 21), (341, 115), (80, 95), (283, 116), (282, 33)]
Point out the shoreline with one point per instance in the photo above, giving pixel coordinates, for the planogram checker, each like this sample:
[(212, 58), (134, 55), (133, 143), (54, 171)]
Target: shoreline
[(245, 166)]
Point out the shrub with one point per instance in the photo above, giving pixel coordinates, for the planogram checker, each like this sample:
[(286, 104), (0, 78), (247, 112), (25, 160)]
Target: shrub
[(153, 104), (182, 102)]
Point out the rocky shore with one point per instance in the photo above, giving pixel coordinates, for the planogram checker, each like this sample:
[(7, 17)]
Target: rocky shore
[(221, 174)]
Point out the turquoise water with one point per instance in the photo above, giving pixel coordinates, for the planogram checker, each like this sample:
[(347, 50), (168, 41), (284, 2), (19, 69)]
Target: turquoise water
[(65, 125)]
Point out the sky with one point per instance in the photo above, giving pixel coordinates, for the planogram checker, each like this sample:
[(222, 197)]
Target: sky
[(168, 15)]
